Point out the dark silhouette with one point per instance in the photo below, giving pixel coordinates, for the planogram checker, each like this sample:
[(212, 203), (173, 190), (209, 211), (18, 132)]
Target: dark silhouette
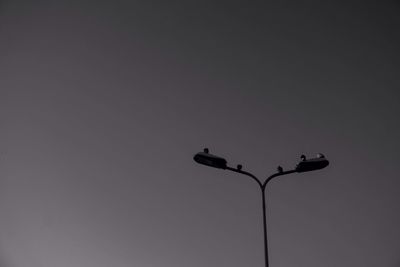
[(304, 165)]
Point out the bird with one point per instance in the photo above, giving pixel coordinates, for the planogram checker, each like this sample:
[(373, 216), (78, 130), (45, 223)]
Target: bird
[(280, 169), (303, 158), (206, 150), (239, 167)]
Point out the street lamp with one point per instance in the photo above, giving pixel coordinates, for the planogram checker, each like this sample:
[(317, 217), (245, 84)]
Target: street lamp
[(305, 165)]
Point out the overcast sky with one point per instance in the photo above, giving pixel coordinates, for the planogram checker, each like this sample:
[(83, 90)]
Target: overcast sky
[(104, 104)]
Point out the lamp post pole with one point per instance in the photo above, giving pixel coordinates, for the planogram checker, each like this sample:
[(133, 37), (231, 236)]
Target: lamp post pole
[(265, 227), (304, 166), (264, 206)]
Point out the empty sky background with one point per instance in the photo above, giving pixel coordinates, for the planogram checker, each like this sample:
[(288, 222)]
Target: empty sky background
[(104, 104)]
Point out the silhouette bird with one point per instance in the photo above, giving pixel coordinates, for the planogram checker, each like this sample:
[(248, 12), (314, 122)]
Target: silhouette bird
[(303, 158), (280, 169), (239, 167)]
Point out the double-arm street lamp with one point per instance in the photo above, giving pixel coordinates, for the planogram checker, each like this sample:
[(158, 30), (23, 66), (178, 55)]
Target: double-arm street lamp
[(304, 165)]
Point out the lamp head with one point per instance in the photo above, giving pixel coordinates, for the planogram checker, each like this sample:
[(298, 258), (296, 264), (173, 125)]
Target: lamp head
[(210, 160), (306, 165)]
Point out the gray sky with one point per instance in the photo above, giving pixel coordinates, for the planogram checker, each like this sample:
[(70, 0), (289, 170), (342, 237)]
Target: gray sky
[(104, 104)]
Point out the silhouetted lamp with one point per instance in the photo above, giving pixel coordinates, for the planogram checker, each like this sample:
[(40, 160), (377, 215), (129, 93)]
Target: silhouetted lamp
[(305, 165), (208, 159)]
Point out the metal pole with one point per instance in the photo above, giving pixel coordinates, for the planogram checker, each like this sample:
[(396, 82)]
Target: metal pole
[(264, 206), (265, 226)]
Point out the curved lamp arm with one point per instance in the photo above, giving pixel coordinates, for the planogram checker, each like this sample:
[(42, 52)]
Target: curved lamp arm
[(246, 173), (252, 176), (276, 175)]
